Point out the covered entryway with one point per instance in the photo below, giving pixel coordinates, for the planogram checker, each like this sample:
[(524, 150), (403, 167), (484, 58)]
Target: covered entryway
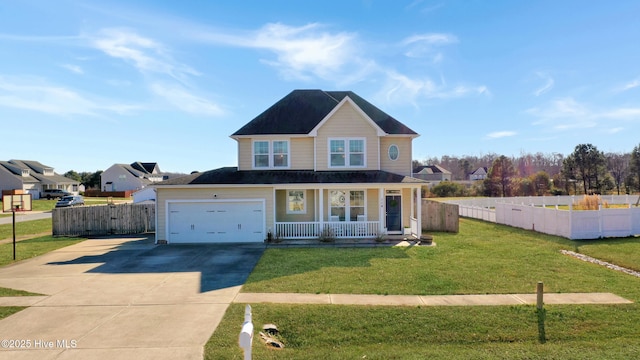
[(216, 221)]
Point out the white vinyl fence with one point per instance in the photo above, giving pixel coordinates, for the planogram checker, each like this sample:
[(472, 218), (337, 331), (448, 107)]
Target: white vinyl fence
[(533, 213)]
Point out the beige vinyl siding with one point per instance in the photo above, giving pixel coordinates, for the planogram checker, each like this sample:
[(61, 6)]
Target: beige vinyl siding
[(347, 123), (226, 193), (402, 165), (281, 207), (372, 205), (245, 154), (301, 153)]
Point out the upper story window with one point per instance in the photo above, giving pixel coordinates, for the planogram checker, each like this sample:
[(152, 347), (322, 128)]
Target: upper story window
[(271, 154), (25, 172), (394, 152), (347, 152)]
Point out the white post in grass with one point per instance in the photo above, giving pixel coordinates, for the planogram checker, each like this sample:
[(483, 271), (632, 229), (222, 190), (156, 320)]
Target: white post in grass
[(245, 339)]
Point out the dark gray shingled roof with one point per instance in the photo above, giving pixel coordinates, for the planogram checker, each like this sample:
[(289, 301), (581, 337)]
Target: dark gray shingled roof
[(302, 110), (231, 175)]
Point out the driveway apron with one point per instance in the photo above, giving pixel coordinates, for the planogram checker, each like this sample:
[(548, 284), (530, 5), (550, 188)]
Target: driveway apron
[(123, 298)]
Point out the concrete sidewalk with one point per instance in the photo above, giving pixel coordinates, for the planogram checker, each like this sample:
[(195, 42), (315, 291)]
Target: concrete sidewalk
[(430, 300)]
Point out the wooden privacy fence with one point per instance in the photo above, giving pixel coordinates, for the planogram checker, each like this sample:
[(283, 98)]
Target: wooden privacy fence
[(120, 219), (438, 216)]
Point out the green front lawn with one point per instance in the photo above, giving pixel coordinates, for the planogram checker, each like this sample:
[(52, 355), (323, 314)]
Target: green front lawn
[(482, 258), (27, 249), (24, 228), (9, 310), (475, 332)]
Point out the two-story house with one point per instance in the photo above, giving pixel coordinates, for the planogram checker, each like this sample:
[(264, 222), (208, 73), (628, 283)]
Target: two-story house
[(33, 178), (134, 176), (315, 162)]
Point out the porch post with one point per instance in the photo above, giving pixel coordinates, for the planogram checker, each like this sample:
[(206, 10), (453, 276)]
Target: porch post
[(381, 214), (321, 207), (419, 210)]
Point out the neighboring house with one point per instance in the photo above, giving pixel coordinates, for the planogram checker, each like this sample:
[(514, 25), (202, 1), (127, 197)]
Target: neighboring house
[(32, 177), (316, 163), (432, 173), (479, 174), (136, 176)]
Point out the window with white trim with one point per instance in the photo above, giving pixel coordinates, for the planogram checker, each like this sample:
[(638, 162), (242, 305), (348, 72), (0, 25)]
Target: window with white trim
[(270, 154), (347, 152), (296, 202), (393, 152), (347, 205)]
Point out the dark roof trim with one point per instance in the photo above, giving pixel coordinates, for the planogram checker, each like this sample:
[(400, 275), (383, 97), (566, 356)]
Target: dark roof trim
[(231, 176)]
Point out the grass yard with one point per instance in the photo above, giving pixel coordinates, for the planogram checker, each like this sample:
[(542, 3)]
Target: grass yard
[(24, 228), (9, 310), (27, 249), (482, 258), (479, 332)]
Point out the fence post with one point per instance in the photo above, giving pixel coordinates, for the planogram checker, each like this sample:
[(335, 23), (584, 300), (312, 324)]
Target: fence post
[(540, 294), (245, 339)]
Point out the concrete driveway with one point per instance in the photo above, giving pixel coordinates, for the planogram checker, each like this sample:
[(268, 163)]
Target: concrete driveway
[(123, 298)]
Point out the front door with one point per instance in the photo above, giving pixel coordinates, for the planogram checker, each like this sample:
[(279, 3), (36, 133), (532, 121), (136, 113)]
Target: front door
[(394, 214)]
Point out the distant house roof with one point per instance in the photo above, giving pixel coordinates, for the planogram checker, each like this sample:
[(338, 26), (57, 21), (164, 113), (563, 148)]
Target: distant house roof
[(430, 169), (146, 167), (231, 175), (38, 173), (480, 171), (302, 110)]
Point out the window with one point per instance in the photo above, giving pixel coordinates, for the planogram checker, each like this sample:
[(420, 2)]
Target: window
[(347, 205), (261, 154), (296, 202), (280, 154), (271, 154), (393, 152), (347, 153)]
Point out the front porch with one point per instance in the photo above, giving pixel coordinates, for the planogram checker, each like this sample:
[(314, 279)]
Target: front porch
[(338, 213)]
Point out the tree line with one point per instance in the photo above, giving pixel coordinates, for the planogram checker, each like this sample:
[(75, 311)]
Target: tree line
[(586, 170)]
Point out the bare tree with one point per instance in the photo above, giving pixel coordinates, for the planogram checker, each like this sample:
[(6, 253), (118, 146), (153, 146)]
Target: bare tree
[(617, 164)]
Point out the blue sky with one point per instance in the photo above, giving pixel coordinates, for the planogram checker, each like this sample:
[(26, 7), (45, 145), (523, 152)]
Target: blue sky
[(86, 84)]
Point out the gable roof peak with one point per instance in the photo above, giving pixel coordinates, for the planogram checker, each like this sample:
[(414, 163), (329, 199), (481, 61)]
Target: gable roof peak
[(301, 111)]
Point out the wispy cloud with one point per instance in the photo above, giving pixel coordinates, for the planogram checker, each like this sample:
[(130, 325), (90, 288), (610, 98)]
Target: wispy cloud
[(630, 85), (400, 88), (615, 130), (548, 83), (567, 113), (73, 68), (426, 45), (184, 100), (501, 134), (315, 52), (145, 54), (36, 95), (301, 52)]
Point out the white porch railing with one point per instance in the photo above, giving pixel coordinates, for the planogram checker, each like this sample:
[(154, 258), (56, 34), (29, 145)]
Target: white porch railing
[(338, 229)]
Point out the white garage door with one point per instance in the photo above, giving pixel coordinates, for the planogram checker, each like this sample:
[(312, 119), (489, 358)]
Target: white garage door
[(216, 222)]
